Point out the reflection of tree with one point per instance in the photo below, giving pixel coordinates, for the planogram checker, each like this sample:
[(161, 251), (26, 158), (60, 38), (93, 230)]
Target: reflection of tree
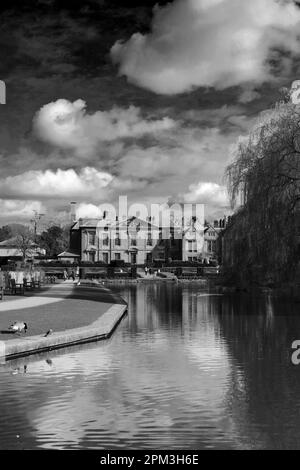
[(264, 388)]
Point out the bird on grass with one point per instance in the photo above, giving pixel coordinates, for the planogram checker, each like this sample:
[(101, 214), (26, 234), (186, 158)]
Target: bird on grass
[(18, 327), (49, 332)]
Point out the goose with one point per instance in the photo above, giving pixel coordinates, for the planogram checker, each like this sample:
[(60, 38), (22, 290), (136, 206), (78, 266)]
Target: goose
[(18, 327), (49, 332)]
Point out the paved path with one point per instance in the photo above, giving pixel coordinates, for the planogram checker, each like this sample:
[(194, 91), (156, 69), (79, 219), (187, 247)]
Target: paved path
[(60, 307)]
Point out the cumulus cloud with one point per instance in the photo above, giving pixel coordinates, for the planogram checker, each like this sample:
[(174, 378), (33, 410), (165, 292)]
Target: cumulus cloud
[(210, 43), (67, 125), (12, 208), (88, 210), (56, 184), (211, 194)]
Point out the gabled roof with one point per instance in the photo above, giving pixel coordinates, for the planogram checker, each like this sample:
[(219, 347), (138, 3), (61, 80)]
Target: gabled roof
[(94, 223), (86, 222), (211, 227), (68, 254), (134, 221)]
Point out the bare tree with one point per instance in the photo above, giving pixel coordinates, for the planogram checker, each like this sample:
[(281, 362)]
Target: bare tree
[(24, 242)]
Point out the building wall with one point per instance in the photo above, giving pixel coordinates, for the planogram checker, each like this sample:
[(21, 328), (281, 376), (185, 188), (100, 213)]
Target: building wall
[(109, 245), (192, 244), (121, 241)]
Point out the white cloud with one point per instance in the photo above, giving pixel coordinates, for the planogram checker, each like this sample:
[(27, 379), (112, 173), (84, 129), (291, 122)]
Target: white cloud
[(219, 43), (56, 184), (67, 125), (88, 210), (211, 194), (12, 208)]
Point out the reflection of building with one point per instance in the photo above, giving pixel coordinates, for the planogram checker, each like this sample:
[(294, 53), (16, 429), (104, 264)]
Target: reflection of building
[(134, 241), (10, 250)]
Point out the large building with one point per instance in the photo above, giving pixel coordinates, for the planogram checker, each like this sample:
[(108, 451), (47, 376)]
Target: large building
[(179, 236), (134, 241)]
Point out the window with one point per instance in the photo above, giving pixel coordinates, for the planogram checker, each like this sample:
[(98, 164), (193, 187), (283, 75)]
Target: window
[(117, 240), (105, 258), (105, 241), (91, 256), (190, 245), (211, 246), (91, 238), (149, 240), (117, 256), (133, 242)]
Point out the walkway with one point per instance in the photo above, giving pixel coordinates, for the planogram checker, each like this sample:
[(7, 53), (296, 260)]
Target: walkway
[(63, 308)]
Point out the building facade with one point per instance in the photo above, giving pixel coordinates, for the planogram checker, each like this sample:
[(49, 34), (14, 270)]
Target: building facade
[(134, 241), (212, 239)]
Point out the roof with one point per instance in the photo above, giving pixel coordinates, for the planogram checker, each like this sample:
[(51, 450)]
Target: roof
[(68, 254), (94, 223), (86, 222), (12, 242)]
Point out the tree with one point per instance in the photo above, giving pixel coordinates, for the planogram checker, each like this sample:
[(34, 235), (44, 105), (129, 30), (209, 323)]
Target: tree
[(23, 241), (5, 233), (10, 231), (55, 240), (266, 171)]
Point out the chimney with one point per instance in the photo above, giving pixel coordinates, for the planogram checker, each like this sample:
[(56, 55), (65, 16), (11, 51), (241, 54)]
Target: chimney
[(73, 211)]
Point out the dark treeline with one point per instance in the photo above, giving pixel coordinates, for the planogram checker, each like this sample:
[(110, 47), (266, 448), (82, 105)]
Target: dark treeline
[(262, 241)]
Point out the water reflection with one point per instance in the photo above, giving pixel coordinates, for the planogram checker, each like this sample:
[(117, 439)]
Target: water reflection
[(186, 369)]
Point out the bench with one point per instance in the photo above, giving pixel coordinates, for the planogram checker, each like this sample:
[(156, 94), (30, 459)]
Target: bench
[(16, 287)]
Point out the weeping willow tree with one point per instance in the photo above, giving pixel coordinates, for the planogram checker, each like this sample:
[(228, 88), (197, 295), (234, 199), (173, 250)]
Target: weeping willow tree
[(265, 173)]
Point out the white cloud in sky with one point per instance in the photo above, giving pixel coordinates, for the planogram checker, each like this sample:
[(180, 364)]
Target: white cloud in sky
[(56, 184), (88, 210), (67, 125), (210, 43), (13, 208), (211, 194)]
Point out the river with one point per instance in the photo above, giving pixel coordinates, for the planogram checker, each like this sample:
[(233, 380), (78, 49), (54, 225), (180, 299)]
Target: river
[(187, 368)]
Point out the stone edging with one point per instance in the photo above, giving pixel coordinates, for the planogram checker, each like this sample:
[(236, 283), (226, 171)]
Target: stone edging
[(99, 329)]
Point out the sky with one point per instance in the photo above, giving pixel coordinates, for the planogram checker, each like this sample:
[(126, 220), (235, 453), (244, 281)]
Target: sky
[(139, 98)]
